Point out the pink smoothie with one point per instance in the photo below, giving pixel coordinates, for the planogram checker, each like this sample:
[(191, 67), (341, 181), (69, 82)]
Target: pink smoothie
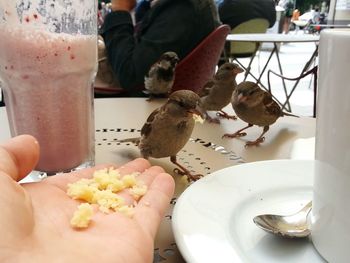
[(48, 93)]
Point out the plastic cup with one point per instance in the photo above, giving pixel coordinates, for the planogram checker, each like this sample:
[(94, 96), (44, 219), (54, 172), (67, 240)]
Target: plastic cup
[(48, 62)]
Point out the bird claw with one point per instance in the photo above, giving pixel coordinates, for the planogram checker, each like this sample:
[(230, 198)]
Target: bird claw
[(226, 116), (213, 120), (241, 134), (179, 172), (190, 177), (234, 135), (255, 143), (194, 177)]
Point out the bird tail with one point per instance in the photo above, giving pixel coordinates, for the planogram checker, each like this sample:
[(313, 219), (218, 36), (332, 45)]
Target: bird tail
[(289, 114), (132, 140)]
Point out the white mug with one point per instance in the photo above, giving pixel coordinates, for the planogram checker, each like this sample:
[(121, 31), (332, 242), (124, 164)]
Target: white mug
[(330, 219)]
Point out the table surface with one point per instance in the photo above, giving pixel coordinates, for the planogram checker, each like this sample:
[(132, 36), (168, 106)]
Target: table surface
[(282, 38), (205, 153)]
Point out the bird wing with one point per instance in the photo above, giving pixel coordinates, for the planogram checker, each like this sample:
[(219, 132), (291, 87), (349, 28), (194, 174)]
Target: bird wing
[(148, 78), (206, 88), (147, 127), (152, 70), (271, 106)]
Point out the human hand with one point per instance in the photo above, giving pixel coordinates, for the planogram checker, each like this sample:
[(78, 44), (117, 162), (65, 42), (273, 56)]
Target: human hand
[(123, 5), (35, 217)]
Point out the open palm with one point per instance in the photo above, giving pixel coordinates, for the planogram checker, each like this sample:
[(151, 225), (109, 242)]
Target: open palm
[(35, 218)]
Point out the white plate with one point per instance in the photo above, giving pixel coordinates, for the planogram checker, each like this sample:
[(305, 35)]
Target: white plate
[(213, 218)]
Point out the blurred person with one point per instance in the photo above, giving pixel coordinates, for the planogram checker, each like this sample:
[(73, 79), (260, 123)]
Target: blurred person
[(235, 12), (296, 15), (169, 25), (324, 8), (288, 6), (316, 15), (99, 15), (323, 12)]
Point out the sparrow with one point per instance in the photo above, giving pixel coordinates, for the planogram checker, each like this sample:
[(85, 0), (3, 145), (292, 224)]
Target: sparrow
[(160, 78), (256, 107), (217, 92), (168, 128)]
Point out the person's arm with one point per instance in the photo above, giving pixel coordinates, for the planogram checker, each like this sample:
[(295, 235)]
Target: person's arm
[(130, 58)]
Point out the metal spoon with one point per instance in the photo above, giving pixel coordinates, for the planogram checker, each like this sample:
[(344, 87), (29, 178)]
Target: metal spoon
[(291, 226)]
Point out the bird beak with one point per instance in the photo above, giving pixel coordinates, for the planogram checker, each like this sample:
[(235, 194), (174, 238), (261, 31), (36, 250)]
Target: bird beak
[(241, 98), (237, 70), (174, 61), (197, 115), (196, 112)]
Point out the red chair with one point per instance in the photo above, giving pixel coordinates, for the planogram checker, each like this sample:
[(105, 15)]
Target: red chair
[(198, 67)]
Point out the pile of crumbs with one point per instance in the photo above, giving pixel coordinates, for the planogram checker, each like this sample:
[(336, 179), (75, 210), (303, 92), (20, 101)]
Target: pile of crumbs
[(102, 190)]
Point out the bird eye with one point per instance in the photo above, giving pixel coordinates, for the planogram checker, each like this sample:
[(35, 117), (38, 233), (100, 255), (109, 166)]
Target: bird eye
[(252, 92), (182, 104)]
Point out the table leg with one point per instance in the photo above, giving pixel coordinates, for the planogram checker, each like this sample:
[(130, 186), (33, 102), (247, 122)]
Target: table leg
[(306, 67), (274, 50), (250, 63), (283, 82), (258, 80), (246, 69)]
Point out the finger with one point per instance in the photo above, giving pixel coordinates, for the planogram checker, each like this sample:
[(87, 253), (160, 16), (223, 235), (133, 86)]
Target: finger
[(19, 156), (137, 165), (145, 178), (152, 207)]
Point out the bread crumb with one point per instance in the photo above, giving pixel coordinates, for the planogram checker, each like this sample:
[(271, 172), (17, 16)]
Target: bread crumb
[(107, 200), (102, 189), (106, 177), (184, 180), (82, 216), (137, 191), (198, 118), (129, 180), (83, 189)]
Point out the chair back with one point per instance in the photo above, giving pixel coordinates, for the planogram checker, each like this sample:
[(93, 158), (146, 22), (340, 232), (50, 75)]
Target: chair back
[(199, 66), (246, 49)]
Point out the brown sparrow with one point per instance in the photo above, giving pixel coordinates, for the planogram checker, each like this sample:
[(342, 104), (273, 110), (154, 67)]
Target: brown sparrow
[(168, 129), (217, 92), (160, 78), (256, 107)]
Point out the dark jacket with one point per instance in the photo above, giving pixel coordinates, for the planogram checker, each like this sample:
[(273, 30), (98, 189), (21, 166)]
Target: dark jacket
[(235, 12), (170, 25), (141, 9)]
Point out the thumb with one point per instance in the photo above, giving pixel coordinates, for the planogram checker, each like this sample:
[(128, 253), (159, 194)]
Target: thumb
[(19, 156)]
